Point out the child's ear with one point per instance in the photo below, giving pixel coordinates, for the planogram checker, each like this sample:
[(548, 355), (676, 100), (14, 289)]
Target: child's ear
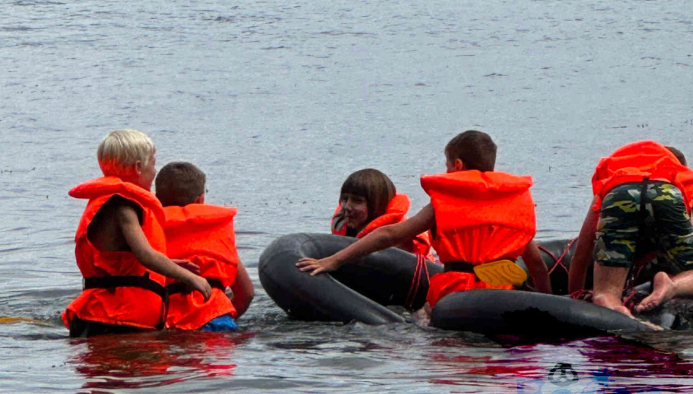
[(200, 199), (459, 165), (138, 167)]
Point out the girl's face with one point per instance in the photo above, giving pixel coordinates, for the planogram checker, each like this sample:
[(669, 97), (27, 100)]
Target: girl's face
[(355, 210)]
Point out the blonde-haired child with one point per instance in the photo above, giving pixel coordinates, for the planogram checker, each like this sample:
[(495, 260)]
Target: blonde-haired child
[(120, 244)]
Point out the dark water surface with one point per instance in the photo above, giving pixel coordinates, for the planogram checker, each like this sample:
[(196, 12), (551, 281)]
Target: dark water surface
[(278, 102)]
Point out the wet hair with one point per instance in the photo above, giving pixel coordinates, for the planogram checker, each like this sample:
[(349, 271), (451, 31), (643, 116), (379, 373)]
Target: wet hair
[(372, 185), (679, 155), (179, 183), (475, 148), (123, 148)]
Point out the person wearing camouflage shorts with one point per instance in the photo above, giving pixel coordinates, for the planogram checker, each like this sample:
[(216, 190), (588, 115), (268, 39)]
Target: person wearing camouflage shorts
[(640, 216), (626, 235)]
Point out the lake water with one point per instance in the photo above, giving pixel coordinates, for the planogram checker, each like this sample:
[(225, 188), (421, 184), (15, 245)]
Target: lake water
[(278, 101)]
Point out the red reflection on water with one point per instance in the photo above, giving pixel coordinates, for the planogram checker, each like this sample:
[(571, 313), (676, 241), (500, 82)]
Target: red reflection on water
[(477, 371), (634, 359), (604, 362), (486, 365), (154, 359)]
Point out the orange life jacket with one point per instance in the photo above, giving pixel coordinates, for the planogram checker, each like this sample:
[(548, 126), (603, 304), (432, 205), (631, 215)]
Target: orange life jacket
[(481, 217), (639, 160), (203, 234), (395, 212), (120, 304)]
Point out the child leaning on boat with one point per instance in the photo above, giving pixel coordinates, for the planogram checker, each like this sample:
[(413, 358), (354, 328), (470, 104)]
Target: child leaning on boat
[(643, 193)]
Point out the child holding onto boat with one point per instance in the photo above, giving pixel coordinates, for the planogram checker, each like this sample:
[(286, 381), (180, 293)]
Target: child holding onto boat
[(369, 200), (204, 234), (478, 218), (643, 193), (120, 244)]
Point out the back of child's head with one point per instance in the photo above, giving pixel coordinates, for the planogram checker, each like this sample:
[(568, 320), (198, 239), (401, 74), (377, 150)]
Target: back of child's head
[(679, 155), (474, 148), (179, 183), (123, 148), (372, 185)]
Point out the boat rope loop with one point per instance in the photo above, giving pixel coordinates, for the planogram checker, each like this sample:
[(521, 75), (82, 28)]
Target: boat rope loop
[(421, 267), (559, 259)]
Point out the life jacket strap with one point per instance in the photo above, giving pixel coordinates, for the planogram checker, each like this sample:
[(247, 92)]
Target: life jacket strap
[(184, 288), (142, 282), (459, 266), (634, 271)]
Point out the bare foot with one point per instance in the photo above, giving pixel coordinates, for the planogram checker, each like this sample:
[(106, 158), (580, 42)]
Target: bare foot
[(664, 289), (612, 303), (423, 316)]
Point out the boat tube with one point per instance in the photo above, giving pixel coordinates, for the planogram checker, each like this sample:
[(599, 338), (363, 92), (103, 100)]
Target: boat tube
[(358, 291), (361, 291), (528, 313)]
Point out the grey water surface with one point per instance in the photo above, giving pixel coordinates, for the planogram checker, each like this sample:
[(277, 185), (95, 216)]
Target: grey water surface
[(278, 101)]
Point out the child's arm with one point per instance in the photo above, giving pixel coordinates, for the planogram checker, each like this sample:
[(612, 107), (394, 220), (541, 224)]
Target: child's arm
[(379, 239), (129, 224), (582, 258), (537, 268), (243, 291)]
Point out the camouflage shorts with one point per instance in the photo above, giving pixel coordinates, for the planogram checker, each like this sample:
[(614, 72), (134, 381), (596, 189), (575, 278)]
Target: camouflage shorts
[(625, 236)]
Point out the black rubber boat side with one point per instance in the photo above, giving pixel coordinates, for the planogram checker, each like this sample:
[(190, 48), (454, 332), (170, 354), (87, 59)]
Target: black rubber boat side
[(528, 313), (356, 291), (362, 291)]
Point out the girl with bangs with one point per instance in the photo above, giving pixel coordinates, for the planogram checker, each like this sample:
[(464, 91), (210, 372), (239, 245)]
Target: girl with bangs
[(369, 200)]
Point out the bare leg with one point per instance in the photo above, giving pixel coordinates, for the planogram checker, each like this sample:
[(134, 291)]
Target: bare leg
[(666, 288), (582, 257), (608, 287)]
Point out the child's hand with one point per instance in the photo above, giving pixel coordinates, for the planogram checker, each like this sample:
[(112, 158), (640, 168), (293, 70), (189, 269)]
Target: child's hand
[(188, 265), (314, 266), (200, 284)]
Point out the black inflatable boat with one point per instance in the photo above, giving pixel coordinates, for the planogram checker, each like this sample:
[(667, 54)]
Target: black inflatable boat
[(361, 291), (357, 291)]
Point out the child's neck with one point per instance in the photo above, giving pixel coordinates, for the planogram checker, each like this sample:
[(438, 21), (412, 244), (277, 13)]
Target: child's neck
[(135, 180)]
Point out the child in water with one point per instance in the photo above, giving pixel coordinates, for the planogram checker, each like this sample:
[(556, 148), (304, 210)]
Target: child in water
[(369, 200), (204, 234), (121, 246)]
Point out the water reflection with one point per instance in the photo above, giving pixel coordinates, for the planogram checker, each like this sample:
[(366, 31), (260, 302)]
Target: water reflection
[(603, 364), (637, 365), (146, 360), (463, 364)]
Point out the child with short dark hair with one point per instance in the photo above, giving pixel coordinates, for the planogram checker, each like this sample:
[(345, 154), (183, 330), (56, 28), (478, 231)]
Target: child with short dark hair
[(204, 234), (477, 216), (120, 244)]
